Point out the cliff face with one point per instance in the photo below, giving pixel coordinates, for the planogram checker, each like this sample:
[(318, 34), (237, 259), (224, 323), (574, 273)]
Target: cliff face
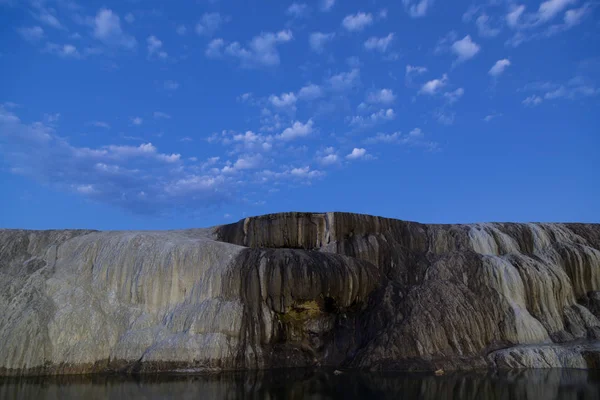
[(300, 289)]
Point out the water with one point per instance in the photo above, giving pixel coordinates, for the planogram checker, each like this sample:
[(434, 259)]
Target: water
[(305, 384)]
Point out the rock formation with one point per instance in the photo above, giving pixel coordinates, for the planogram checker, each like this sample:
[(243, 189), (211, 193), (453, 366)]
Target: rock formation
[(301, 289)]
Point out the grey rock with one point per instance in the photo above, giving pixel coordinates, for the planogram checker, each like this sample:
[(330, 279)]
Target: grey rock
[(301, 289)]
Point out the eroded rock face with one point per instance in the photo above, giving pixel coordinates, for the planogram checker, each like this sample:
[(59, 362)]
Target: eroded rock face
[(299, 289)]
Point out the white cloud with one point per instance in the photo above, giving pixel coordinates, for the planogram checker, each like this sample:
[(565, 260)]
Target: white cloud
[(454, 96), (575, 16), (327, 5), (137, 121), (433, 86), (345, 80), (214, 48), (532, 100), (100, 124), (262, 50), (465, 48), (499, 67), (181, 30), (244, 97), (328, 156), (310, 92), (154, 47), (379, 44), (297, 10), (383, 96), (514, 16), (129, 18), (490, 117), (548, 10), (318, 40), (209, 23), (285, 100), (297, 130), (415, 138), (443, 45), (417, 8), (444, 117), (357, 153), (484, 28), (107, 28), (412, 71), (159, 115), (372, 119), (357, 22), (171, 85), (305, 173), (32, 34), (47, 17), (65, 50)]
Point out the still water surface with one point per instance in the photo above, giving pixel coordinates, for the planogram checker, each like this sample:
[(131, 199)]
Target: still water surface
[(320, 384)]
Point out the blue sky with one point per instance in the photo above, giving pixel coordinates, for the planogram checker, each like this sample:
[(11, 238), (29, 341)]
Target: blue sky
[(171, 114)]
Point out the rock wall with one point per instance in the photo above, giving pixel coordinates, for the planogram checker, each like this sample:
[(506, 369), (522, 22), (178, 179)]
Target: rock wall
[(300, 289)]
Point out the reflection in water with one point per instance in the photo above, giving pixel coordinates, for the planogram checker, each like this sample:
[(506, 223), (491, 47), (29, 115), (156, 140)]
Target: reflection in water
[(311, 384)]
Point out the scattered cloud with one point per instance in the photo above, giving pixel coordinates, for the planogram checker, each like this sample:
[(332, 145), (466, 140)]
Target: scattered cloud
[(443, 45), (432, 87), (327, 5), (161, 115), (576, 88), (62, 50), (284, 101), (413, 71), (484, 28), (383, 96), (181, 30), (465, 49), (47, 16), (130, 18), (310, 92), (107, 28), (379, 44), (499, 67), (154, 48), (137, 121), (137, 178), (357, 22), (260, 52), (297, 130), (490, 117), (532, 100), (358, 154), (417, 8), (209, 23), (297, 10), (32, 34), (100, 124), (318, 40), (415, 138), (345, 80), (171, 85), (382, 115), (454, 96)]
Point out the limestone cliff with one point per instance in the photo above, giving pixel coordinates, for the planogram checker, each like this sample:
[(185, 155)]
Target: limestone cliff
[(300, 289)]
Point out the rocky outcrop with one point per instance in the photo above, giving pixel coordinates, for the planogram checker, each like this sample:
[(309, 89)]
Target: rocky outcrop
[(301, 289)]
